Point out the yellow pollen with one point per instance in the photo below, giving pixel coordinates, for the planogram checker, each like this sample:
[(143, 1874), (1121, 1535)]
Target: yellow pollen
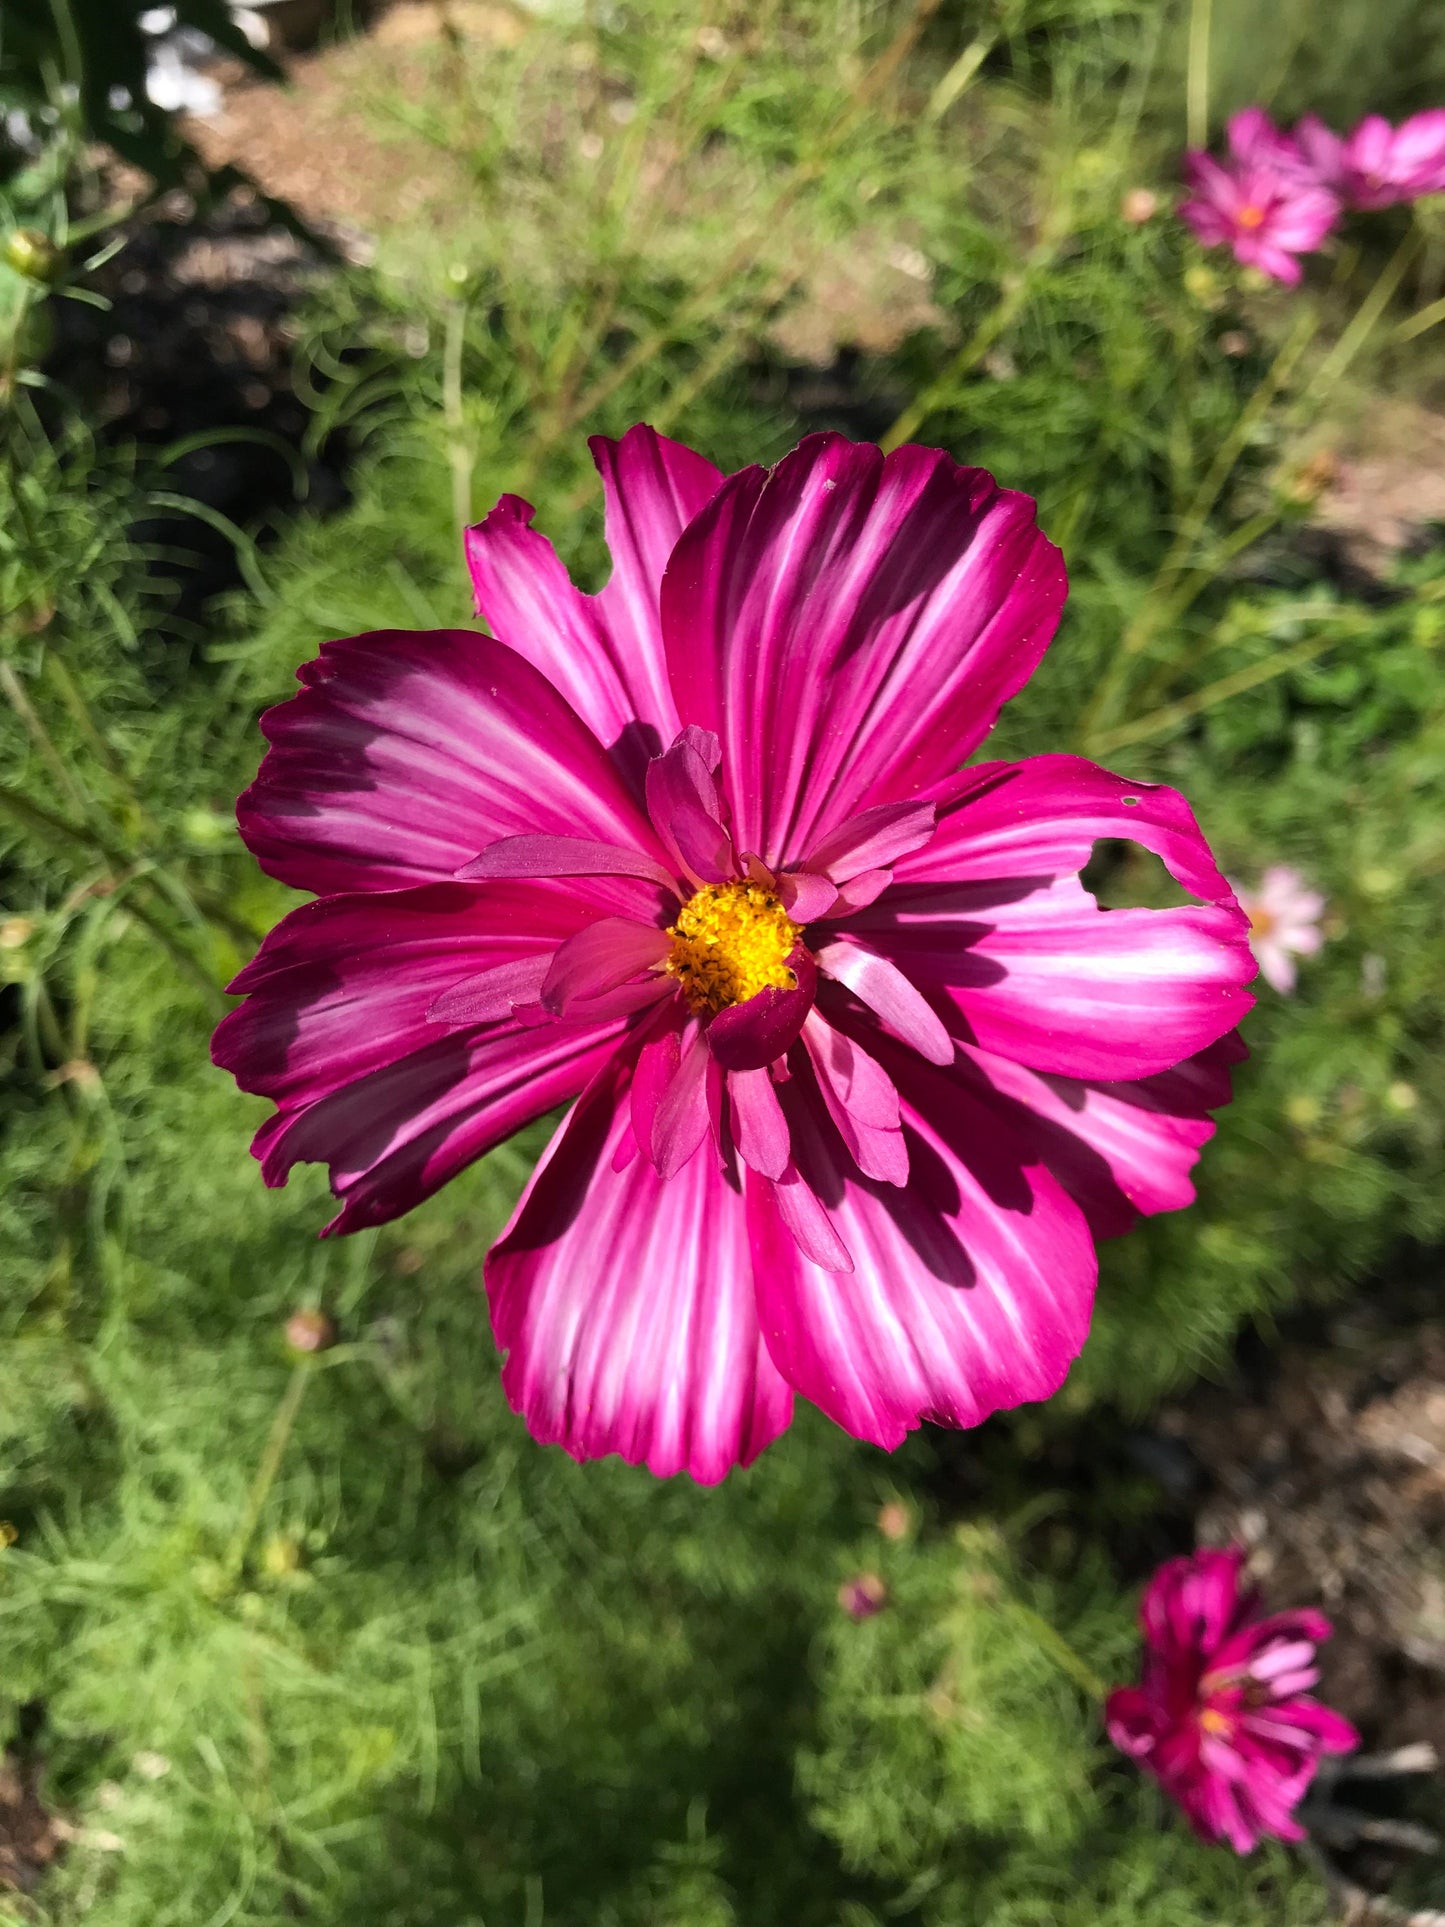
[(1212, 1721), (1250, 215), (730, 941), (1262, 922)]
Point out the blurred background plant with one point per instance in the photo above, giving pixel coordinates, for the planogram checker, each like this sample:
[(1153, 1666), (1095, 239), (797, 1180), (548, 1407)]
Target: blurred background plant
[(318, 1633)]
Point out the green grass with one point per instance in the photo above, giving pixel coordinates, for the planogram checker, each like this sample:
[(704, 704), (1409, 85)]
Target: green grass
[(403, 1666)]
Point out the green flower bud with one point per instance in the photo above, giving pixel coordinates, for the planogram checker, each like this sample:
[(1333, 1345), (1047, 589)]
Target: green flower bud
[(34, 255)]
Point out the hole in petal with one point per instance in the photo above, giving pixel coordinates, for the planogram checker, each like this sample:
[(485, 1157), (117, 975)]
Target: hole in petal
[(1121, 875)]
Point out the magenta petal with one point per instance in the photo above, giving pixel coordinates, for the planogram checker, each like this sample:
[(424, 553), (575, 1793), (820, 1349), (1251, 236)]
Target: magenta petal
[(747, 1036), (759, 1127), (873, 840), (682, 800), (562, 856), (600, 958), (801, 1213), (652, 488), (902, 1010), (861, 1101), (335, 1031), (849, 625), (1118, 1148), (407, 752), (493, 994), (805, 896), (681, 1120), (625, 1306), (1042, 818), (528, 600), (971, 1288), (702, 843)]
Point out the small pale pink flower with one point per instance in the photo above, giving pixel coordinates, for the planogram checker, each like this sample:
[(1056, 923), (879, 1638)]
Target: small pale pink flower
[(1223, 1716), (1262, 202), (1377, 165), (860, 1068), (1284, 923)]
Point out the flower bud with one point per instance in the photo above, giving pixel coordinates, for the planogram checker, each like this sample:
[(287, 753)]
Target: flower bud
[(310, 1331), (1139, 205), (34, 255), (863, 1595)]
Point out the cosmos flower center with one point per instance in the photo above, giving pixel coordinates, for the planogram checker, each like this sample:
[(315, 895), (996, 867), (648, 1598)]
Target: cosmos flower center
[(1211, 1720), (1251, 216), (730, 941), (1262, 922)]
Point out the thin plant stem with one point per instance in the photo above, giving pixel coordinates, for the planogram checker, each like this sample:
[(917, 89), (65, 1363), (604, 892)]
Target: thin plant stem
[(1236, 684), (1196, 93), (42, 739), (1058, 1649), (459, 452), (280, 1437)]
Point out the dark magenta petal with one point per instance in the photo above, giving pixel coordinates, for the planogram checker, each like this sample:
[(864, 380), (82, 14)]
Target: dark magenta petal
[(624, 1305), (681, 1120), (601, 958), (491, 995), (873, 840), (849, 624), (683, 802), (406, 753), (748, 1036), (563, 856)]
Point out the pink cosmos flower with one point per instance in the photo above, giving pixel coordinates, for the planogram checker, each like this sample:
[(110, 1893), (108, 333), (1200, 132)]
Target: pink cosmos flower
[(1263, 201), (1284, 923), (1223, 1717), (860, 1068), (1377, 165)]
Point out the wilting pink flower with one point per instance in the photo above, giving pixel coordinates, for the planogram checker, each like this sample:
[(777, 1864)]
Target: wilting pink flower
[(1223, 1717), (1263, 201), (1376, 164), (1284, 923), (860, 1065)]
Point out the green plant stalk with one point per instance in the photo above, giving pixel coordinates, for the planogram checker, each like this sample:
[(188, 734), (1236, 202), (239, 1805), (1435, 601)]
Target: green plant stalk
[(1196, 96), (460, 455), (1216, 692), (275, 1451)]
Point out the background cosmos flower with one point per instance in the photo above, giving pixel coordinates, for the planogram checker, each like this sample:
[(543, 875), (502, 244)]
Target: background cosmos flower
[(1376, 165), (861, 1068), (1284, 923), (1223, 1716), (1264, 201)]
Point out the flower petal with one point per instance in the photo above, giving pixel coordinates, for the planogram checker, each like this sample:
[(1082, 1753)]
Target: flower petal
[(653, 488), (601, 958), (759, 1128), (971, 1288), (408, 752), (849, 625), (860, 1099), (562, 856), (528, 600), (902, 1010), (1119, 1149), (336, 1031), (625, 1306), (872, 840)]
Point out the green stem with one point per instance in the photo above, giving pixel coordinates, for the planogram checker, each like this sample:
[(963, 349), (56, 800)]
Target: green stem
[(1196, 94), (280, 1437), (1058, 1649)]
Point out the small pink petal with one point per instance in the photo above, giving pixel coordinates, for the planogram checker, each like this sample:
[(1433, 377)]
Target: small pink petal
[(600, 958), (745, 1037), (492, 994), (561, 856), (893, 999), (759, 1127)]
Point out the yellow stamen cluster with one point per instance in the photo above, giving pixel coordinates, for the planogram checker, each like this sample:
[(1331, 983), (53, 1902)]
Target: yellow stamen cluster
[(730, 941), (1250, 216)]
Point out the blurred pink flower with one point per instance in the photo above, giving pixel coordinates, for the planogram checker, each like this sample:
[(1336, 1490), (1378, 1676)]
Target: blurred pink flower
[(1376, 164), (1284, 923), (863, 1596), (1223, 1716), (860, 1068), (1258, 202)]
